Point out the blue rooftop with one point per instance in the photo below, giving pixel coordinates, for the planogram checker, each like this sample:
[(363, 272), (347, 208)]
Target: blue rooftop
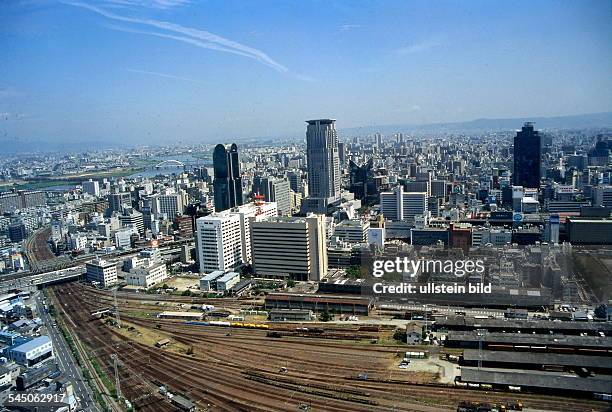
[(32, 344)]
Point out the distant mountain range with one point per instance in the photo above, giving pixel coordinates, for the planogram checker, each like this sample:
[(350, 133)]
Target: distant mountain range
[(579, 121)]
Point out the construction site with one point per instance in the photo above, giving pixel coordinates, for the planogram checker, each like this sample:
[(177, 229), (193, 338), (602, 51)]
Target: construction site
[(232, 358)]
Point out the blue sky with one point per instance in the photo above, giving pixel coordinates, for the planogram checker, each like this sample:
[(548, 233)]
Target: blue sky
[(154, 71)]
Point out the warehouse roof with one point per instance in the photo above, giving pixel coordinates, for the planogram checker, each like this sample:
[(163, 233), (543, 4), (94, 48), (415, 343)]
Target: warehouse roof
[(182, 314), (533, 358), (228, 276), (350, 300), (533, 339), (523, 324), (539, 379), (212, 275)]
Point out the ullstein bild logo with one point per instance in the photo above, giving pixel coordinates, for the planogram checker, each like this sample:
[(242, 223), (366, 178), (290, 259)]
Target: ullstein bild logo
[(412, 268)]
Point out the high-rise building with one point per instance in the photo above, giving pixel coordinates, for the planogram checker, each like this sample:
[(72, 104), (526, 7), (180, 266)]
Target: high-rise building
[(295, 180), (438, 188), (227, 183), (132, 217), (91, 187), (400, 205), (362, 182), (277, 190), (295, 247), (17, 232), (603, 196), (117, 201), (252, 212), (183, 226), (33, 198), (378, 139), (11, 201), (323, 165), (219, 242), (169, 204), (527, 157)]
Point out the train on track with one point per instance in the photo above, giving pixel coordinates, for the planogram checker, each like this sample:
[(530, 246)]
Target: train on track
[(230, 324)]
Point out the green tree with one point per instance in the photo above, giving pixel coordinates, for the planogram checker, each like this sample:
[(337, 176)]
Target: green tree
[(354, 272), (326, 316)]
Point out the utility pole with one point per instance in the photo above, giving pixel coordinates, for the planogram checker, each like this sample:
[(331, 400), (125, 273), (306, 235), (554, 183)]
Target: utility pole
[(481, 334), (117, 383), (117, 318)]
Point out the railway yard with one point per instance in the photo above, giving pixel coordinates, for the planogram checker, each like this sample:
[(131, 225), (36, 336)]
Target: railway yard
[(261, 366)]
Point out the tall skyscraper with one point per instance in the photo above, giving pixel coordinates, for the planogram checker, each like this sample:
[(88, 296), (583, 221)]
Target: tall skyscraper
[(527, 157), (228, 183), (323, 165)]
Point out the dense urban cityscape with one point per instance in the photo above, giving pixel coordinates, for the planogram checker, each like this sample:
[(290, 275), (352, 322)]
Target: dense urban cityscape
[(339, 206), (243, 260)]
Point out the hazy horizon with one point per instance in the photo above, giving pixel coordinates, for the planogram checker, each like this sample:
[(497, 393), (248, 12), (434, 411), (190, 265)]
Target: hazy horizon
[(161, 71)]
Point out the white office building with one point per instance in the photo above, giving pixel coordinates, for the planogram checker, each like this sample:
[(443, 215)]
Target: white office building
[(254, 211), (101, 271), (147, 275), (399, 205), (352, 231), (219, 242), (91, 187), (485, 235), (293, 247), (123, 237)]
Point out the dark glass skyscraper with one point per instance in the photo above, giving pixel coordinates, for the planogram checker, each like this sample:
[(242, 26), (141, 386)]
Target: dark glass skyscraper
[(527, 157), (227, 183)]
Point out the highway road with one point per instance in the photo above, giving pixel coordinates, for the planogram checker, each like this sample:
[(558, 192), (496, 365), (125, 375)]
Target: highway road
[(66, 361)]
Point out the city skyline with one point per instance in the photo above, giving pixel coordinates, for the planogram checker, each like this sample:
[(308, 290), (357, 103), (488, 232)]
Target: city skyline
[(149, 70)]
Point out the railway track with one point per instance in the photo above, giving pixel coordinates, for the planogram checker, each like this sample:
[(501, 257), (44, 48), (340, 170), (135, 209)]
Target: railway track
[(222, 371)]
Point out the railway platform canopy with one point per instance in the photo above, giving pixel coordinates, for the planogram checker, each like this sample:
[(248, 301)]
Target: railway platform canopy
[(537, 379)]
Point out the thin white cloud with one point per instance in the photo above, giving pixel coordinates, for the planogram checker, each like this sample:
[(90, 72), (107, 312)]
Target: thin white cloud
[(419, 47), (164, 75), (189, 40), (154, 4), (200, 38), (348, 26)]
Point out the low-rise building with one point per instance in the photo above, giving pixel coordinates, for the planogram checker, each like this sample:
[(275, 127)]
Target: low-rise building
[(209, 281), (32, 352), (228, 280), (147, 276), (290, 315)]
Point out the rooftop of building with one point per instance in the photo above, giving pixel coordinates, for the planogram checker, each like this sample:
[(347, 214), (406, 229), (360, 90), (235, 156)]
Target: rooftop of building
[(228, 276), (32, 344), (321, 121)]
